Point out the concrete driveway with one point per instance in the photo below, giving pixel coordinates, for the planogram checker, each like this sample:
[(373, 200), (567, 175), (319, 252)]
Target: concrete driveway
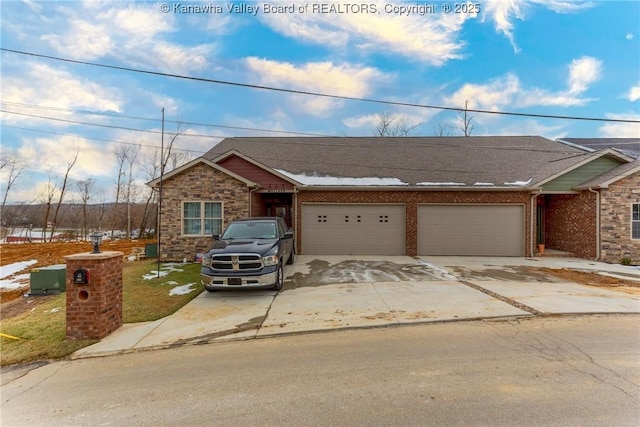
[(329, 292)]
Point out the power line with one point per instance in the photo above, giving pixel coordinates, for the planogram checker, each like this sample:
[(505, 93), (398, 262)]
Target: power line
[(119, 115), (200, 152), (324, 95)]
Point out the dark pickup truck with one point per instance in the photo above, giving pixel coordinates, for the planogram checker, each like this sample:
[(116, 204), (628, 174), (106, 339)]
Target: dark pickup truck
[(249, 254)]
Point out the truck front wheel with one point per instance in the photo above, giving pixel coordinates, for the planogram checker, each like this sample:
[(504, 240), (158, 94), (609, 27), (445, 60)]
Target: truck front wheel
[(279, 279)]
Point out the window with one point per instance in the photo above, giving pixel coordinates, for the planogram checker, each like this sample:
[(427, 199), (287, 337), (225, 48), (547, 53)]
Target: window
[(201, 218), (635, 221)]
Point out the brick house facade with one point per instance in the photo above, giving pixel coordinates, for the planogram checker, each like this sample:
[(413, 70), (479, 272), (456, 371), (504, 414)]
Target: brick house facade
[(582, 206), (411, 201)]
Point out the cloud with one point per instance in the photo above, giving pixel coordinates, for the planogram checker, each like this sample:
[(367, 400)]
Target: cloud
[(431, 38), (131, 34), (508, 91), (582, 73), (621, 130), (323, 77), (634, 94), (504, 12), (54, 88)]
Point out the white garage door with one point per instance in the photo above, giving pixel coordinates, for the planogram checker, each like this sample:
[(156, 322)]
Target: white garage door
[(351, 229), (491, 230)]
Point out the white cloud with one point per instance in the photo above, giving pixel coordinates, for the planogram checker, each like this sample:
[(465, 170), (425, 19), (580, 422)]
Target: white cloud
[(430, 38), (324, 77), (629, 36), (133, 33), (82, 40), (621, 130), (634, 93), (43, 85), (582, 73), (504, 12), (508, 91)]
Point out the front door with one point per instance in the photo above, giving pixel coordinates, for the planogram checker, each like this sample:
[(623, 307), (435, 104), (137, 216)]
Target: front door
[(282, 211)]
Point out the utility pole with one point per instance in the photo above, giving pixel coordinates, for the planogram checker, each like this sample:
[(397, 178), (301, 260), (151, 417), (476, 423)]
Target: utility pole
[(160, 190)]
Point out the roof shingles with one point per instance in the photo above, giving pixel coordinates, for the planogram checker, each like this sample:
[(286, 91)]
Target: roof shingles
[(492, 161)]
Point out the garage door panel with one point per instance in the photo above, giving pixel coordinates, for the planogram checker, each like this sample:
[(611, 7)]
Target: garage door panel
[(491, 230), (351, 229)]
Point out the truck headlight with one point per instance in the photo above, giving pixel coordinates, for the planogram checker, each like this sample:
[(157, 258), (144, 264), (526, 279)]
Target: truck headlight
[(271, 258), (206, 261)]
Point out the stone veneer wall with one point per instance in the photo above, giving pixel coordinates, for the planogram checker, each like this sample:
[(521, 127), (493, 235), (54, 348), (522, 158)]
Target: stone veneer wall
[(570, 223), (199, 183), (411, 200), (615, 220)]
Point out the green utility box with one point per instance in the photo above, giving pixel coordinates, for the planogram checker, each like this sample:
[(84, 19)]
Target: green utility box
[(151, 250), (48, 280)]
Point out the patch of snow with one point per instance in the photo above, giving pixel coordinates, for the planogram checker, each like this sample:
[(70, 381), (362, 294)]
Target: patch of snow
[(484, 184), (182, 290), (441, 184), (16, 282), (341, 181), (171, 282), (519, 183), (8, 270), (164, 270), (54, 310)]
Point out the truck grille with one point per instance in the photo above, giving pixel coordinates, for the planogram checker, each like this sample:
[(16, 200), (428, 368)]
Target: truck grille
[(236, 262)]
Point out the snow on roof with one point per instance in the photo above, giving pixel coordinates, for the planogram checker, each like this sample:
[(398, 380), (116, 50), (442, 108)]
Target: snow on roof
[(341, 181), (519, 183), (441, 184), (484, 184)]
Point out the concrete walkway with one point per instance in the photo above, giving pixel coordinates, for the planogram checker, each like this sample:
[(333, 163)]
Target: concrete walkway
[(332, 292)]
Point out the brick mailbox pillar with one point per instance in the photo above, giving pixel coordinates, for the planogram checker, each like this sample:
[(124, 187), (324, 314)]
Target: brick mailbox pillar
[(94, 294)]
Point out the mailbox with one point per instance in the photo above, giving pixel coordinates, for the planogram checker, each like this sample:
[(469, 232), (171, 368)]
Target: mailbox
[(81, 277)]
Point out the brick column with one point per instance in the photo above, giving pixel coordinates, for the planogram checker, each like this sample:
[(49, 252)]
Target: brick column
[(94, 310)]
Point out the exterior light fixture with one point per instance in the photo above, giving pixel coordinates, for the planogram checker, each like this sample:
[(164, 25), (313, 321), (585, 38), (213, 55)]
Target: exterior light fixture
[(96, 239)]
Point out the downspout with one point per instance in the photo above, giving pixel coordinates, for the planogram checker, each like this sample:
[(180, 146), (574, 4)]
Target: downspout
[(256, 188), (597, 193), (295, 219), (533, 229)]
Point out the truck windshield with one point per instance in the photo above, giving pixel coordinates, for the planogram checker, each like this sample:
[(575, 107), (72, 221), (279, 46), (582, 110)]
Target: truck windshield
[(250, 230)]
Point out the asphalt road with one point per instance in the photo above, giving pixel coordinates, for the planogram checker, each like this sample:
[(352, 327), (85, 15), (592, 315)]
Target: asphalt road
[(540, 371)]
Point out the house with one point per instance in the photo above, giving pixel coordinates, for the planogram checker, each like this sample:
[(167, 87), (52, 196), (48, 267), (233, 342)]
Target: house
[(619, 199), (487, 195)]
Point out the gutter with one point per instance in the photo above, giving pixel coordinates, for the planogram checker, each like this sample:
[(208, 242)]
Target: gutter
[(533, 230), (597, 193), (407, 188)]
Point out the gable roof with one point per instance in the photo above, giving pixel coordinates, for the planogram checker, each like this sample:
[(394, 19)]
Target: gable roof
[(460, 162), (605, 179), (628, 146), (178, 170)]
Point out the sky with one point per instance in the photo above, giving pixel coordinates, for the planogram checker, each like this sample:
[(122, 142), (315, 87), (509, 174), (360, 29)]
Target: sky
[(218, 69)]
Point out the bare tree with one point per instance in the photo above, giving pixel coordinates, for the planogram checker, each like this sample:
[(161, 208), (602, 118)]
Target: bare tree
[(13, 169), (85, 188), (129, 190), (388, 125), (442, 128), (48, 197), (122, 154), (63, 190), (466, 125)]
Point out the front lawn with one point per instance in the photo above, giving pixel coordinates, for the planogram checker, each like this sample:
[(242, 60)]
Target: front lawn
[(147, 296)]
